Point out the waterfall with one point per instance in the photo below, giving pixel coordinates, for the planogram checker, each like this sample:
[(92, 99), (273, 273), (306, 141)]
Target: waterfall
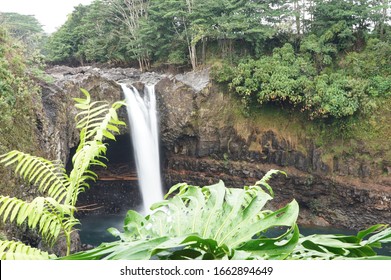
[(142, 116)]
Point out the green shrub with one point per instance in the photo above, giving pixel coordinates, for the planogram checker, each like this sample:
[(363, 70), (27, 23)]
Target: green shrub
[(289, 78)]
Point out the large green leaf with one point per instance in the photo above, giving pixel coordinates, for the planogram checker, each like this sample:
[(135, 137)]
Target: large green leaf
[(131, 250), (336, 246), (211, 222), (215, 222), (272, 248)]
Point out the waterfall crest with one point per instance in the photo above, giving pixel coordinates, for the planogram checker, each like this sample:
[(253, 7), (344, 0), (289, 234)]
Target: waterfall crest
[(142, 116)]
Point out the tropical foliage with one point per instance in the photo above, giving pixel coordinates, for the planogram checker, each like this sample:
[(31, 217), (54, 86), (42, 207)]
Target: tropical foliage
[(328, 247), (327, 58), (215, 222), (28, 39), (212, 222), (25, 28), (291, 79), (316, 56), (54, 213), (17, 92), (169, 29), (13, 250)]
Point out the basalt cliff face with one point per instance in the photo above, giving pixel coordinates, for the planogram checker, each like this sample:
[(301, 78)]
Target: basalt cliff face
[(206, 138)]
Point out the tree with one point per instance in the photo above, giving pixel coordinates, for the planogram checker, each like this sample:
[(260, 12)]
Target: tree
[(180, 14), (129, 14), (20, 26), (25, 28), (65, 44), (167, 31), (357, 17), (380, 15)]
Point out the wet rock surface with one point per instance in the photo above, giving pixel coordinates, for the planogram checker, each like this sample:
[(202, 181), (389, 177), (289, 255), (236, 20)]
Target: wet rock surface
[(109, 197), (60, 247), (323, 201)]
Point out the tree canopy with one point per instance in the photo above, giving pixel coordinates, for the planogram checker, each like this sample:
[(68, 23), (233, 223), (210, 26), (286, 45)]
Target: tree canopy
[(25, 28), (327, 58), (186, 31)]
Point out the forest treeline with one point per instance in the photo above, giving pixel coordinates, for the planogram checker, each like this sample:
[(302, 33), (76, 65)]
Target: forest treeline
[(328, 58), (187, 31)]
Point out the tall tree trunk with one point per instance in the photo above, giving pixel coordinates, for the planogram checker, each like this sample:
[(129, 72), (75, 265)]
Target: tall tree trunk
[(230, 48), (203, 54), (226, 47), (296, 8), (193, 56), (144, 63), (311, 13), (141, 64), (384, 18)]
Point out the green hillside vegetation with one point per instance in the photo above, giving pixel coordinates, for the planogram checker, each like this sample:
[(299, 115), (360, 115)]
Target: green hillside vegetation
[(25, 28), (16, 91), (19, 68)]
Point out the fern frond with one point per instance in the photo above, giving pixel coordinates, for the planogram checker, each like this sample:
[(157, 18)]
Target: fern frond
[(44, 213), (49, 177), (82, 160), (96, 121), (16, 250)]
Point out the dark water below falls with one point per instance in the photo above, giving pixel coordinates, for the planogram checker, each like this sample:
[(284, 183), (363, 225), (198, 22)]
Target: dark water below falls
[(93, 230)]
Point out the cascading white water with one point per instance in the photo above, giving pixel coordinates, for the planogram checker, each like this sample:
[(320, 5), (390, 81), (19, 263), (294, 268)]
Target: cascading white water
[(142, 116)]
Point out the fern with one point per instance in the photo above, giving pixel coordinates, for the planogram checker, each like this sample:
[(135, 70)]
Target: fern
[(264, 181), (49, 177), (54, 213), (96, 121), (15, 250), (43, 213)]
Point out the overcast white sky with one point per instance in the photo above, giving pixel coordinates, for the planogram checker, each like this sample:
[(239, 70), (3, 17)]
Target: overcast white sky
[(50, 13)]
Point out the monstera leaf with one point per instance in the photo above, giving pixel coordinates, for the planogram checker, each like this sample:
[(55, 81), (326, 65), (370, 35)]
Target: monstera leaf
[(338, 246), (212, 222)]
